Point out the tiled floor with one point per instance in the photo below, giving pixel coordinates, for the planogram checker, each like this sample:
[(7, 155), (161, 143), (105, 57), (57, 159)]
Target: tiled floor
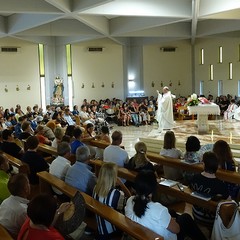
[(218, 129)]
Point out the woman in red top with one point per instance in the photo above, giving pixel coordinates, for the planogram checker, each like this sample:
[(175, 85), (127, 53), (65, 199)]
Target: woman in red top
[(42, 212)]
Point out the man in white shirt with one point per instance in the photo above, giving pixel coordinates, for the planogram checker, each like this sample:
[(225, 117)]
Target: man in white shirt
[(68, 117), (114, 153), (61, 164), (13, 210)]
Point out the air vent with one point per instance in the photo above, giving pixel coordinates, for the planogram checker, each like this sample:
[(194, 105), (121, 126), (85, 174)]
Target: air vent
[(168, 49), (10, 49), (95, 49)]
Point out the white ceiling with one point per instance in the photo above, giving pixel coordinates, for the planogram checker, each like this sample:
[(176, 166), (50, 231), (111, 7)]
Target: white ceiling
[(122, 21)]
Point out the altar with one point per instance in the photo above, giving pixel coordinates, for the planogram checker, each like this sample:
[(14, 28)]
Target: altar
[(202, 111)]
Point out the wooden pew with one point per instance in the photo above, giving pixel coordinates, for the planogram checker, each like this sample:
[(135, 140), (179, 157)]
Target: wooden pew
[(225, 175), (53, 152), (4, 234), (172, 191), (21, 166), (100, 144), (119, 220), (155, 146)]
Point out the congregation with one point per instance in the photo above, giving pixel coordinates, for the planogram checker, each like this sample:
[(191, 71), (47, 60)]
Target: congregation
[(70, 132)]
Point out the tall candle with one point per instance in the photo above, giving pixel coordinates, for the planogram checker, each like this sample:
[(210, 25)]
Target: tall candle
[(212, 136), (230, 138)]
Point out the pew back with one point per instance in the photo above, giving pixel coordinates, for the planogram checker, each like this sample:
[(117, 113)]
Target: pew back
[(119, 220)]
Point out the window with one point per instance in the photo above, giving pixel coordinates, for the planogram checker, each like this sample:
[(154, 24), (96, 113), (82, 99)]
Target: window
[(211, 72), (220, 87), (230, 71), (238, 88), (201, 87), (201, 56), (220, 56), (42, 75), (69, 74)]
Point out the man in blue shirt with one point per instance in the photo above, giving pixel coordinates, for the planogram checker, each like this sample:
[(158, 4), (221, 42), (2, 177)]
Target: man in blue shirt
[(77, 133), (79, 175)]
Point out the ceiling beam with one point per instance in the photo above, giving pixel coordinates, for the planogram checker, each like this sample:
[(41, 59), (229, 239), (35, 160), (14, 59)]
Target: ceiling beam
[(195, 10)]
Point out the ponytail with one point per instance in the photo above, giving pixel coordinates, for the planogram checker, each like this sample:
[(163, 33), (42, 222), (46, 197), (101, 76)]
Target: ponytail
[(140, 205)]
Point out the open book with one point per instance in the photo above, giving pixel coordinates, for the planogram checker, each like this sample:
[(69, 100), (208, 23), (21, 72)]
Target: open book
[(168, 183)]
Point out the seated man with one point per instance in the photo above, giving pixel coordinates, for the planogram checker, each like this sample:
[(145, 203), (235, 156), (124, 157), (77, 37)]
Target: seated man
[(77, 133), (206, 183), (79, 175), (114, 153), (13, 210), (34, 160), (67, 117), (61, 164), (9, 146)]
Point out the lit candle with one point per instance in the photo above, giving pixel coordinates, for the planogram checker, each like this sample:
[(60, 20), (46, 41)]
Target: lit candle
[(230, 138), (212, 136)]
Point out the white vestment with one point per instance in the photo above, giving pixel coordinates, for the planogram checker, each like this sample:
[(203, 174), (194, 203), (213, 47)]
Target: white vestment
[(229, 113), (237, 114), (165, 111)]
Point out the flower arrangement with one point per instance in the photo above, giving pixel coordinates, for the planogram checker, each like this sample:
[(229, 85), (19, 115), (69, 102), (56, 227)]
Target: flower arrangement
[(193, 100)]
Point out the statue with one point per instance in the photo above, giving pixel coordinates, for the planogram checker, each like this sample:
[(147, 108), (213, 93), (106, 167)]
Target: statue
[(58, 91)]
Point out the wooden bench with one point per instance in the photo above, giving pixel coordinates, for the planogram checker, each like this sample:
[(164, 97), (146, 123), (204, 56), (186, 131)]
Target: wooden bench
[(44, 148), (172, 191), (4, 234), (119, 220), (21, 166), (225, 175), (155, 146), (101, 144)]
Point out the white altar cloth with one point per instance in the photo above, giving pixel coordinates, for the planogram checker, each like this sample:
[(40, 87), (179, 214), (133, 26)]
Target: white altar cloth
[(202, 111)]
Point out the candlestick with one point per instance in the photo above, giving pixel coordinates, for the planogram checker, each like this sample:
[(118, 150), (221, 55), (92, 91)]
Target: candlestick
[(230, 138), (212, 136)]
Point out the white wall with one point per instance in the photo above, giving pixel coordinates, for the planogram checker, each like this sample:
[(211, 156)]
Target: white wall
[(19, 69), (104, 67), (221, 70), (168, 66)]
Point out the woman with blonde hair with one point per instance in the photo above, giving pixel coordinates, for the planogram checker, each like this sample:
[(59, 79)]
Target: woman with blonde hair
[(105, 192), (140, 161)]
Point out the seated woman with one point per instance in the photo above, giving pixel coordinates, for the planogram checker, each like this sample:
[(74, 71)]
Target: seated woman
[(39, 134), (139, 161), (124, 115), (103, 136), (224, 154), (169, 150), (88, 135), (4, 177), (59, 132), (208, 184), (105, 192), (42, 212), (153, 215), (34, 160), (192, 147)]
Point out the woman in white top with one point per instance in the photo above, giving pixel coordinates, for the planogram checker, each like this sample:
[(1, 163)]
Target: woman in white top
[(153, 215), (169, 150)]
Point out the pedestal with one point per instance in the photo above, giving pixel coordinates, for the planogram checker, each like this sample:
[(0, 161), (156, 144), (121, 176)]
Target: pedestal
[(202, 122)]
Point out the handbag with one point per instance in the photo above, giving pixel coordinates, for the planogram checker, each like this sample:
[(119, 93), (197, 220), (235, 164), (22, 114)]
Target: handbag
[(232, 230)]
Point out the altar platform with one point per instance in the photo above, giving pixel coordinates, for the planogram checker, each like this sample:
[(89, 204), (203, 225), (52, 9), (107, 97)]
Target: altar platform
[(218, 129)]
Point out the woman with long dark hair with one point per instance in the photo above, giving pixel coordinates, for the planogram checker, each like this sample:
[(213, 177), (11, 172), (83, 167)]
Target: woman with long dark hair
[(153, 215)]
